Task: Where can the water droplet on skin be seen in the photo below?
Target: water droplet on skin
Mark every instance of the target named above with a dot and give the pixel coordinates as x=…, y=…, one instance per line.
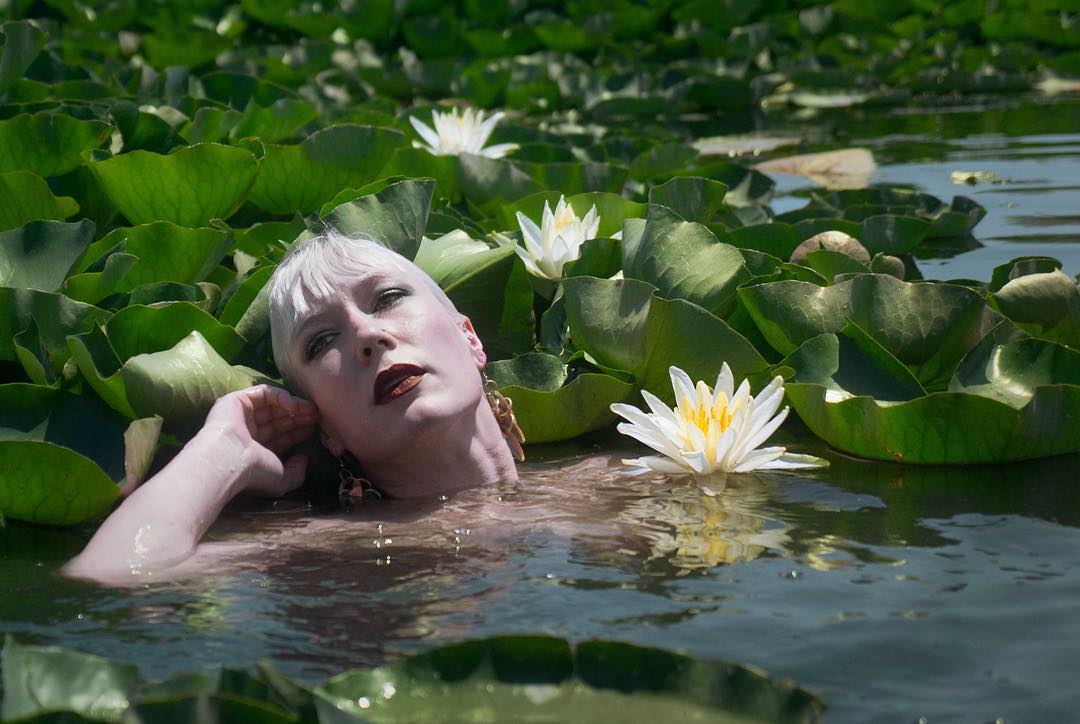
x=363, y=702
x=388, y=690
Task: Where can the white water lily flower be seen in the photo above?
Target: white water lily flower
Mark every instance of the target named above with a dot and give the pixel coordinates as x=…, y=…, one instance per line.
x=557, y=240
x=464, y=133
x=711, y=430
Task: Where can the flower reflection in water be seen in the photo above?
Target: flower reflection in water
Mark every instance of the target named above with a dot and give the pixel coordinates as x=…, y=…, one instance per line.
x=695, y=526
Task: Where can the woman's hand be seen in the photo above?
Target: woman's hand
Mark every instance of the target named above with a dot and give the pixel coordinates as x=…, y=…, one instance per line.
x=160, y=524
x=266, y=422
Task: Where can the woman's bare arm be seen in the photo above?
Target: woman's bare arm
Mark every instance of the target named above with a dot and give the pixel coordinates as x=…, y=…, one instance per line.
x=160, y=524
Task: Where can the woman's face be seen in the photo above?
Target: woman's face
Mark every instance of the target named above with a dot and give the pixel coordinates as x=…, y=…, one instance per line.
x=389, y=367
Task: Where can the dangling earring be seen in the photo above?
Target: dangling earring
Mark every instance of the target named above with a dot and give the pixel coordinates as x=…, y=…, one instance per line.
x=353, y=488
x=503, y=407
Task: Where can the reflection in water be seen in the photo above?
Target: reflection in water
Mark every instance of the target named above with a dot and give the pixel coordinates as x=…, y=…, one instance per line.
x=705, y=526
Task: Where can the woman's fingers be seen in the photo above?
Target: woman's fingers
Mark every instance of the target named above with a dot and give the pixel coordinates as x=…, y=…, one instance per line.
x=272, y=411
x=289, y=438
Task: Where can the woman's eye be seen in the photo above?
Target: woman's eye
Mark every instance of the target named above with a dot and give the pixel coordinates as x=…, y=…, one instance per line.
x=317, y=344
x=389, y=298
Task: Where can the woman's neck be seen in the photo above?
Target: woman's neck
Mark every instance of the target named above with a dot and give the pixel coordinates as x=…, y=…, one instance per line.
x=467, y=453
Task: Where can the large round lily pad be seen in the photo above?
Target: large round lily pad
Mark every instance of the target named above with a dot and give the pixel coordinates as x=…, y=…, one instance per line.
x=534, y=678
x=189, y=186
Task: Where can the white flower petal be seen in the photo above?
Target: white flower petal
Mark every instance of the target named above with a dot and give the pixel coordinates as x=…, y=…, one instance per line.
x=724, y=383
x=653, y=463
x=657, y=406
x=499, y=150
x=765, y=431
x=756, y=459
x=426, y=132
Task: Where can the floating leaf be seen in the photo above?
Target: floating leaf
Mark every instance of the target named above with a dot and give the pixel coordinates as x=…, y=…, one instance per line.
x=46, y=143
x=55, y=315
x=25, y=196
x=516, y=677
x=167, y=252
x=181, y=384
x=684, y=260
x=488, y=285
x=549, y=411
x=39, y=254
x=396, y=215
x=927, y=326
x=1045, y=305
x=61, y=456
x=189, y=186
x=23, y=40
x=39, y=679
x=691, y=197
x=624, y=325
x=1017, y=391
x=302, y=177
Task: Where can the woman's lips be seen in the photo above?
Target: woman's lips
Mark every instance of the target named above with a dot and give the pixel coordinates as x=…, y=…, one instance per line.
x=395, y=381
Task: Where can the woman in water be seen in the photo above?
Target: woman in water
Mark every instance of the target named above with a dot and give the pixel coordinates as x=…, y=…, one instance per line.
x=387, y=372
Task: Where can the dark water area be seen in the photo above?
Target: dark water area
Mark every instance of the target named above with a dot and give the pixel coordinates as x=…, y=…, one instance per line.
x=896, y=592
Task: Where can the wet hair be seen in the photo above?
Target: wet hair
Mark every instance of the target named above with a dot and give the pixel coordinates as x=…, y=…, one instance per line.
x=316, y=268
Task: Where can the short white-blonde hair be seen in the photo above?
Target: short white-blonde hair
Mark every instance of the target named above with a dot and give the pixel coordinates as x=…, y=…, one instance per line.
x=317, y=268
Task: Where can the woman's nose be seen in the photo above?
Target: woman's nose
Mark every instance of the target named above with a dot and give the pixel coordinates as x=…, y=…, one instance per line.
x=371, y=336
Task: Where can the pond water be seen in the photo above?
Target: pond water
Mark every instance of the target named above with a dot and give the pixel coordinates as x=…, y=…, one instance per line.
x=897, y=593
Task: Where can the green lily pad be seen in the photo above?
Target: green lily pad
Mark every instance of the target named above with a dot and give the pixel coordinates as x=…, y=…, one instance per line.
x=92, y=287
x=395, y=215
x=776, y=239
x=928, y=326
x=55, y=316
x=140, y=329
x=1021, y=392
x=534, y=677
x=487, y=284
x=548, y=410
x=48, y=144
x=39, y=254
x=893, y=234
x=303, y=177
x=189, y=186
x=488, y=183
x=181, y=384
x=1021, y=266
x=39, y=679
x=625, y=325
x=167, y=252
x=61, y=455
x=692, y=197
x=418, y=163
x=23, y=40
x=576, y=177
x=25, y=196
x=103, y=355
x=1045, y=305
x=684, y=260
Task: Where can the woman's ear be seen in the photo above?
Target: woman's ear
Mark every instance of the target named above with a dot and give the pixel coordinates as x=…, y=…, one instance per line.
x=331, y=443
x=475, y=344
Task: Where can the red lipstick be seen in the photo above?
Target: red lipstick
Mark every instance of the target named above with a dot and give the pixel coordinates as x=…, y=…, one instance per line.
x=395, y=381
